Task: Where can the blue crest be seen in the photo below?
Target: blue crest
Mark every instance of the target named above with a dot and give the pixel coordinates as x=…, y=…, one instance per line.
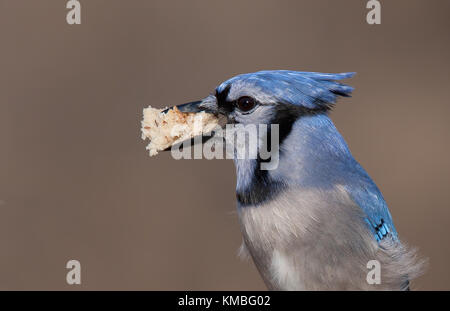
x=311, y=90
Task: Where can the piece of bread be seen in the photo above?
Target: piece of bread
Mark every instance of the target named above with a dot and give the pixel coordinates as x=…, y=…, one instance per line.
x=165, y=129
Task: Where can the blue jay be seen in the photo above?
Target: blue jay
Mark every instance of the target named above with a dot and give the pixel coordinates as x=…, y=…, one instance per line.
x=317, y=219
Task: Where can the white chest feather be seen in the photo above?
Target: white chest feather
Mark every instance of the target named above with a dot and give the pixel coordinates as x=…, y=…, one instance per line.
x=284, y=272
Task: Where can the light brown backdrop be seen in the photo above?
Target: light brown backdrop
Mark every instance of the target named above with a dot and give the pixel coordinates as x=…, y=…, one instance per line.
x=76, y=181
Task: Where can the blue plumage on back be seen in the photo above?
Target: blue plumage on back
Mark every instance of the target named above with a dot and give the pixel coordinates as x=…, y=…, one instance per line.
x=367, y=195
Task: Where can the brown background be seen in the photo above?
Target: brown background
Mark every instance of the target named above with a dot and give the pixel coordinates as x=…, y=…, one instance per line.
x=76, y=181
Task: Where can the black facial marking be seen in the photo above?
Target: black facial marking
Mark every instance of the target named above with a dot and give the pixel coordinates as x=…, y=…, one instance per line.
x=287, y=114
x=225, y=107
x=263, y=188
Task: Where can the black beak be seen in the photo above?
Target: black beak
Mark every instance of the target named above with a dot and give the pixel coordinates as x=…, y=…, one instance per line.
x=208, y=105
x=188, y=107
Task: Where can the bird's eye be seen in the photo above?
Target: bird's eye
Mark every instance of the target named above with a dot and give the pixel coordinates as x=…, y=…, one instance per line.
x=246, y=103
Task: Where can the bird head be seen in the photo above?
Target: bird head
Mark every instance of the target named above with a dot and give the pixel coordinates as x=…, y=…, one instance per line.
x=273, y=97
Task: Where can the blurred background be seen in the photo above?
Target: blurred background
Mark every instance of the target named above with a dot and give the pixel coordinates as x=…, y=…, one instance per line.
x=77, y=183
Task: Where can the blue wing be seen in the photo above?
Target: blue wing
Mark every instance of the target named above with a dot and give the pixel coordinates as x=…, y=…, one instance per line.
x=367, y=195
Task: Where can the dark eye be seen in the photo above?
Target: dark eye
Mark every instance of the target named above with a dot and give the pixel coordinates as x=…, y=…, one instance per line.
x=246, y=103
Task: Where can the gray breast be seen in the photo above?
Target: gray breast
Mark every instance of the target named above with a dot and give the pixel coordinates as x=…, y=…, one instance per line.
x=317, y=240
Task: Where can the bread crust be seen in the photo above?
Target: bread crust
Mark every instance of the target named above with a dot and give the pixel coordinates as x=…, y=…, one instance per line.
x=164, y=128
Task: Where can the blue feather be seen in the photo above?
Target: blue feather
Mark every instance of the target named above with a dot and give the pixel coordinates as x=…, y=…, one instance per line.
x=308, y=89
x=369, y=198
